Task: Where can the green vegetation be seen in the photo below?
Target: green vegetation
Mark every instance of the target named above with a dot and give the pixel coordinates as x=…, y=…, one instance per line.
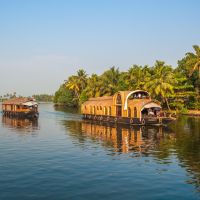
x=44, y=97
x=38, y=97
x=176, y=87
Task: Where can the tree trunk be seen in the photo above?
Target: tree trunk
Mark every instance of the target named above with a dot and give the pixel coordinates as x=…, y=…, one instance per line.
x=199, y=71
x=196, y=67
x=167, y=103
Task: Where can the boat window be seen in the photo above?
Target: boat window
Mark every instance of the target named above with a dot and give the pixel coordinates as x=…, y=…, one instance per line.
x=105, y=111
x=140, y=95
x=129, y=112
x=94, y=110
x=119, y=111
x=135, y=112
x=119, y=99
x=109, y=110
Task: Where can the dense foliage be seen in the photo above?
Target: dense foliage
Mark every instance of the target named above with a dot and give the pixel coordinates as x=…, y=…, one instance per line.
x=176, y=87
x=43, y=97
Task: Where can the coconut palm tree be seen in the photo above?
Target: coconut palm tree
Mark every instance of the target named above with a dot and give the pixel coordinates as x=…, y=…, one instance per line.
x=109, y=81
x=190, y=66
x=77, y=83
x=73, y=84
x=93, y=86
x=194, y=60
x=82, y=78
x=137, y=76
x=162, y=81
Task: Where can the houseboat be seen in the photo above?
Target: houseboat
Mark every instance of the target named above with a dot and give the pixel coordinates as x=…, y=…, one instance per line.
x=129, y=107
x=20, y=107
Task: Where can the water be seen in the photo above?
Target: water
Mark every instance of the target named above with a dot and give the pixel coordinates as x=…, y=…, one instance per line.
x=62, y=157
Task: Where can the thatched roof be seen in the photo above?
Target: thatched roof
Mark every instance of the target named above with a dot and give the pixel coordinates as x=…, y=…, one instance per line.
x=99, y=101
x=145, y=103
x=18, y=101
x=100, y=98
x=108, y=100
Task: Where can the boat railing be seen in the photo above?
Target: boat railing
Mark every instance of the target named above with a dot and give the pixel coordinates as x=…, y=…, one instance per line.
x=161, y=115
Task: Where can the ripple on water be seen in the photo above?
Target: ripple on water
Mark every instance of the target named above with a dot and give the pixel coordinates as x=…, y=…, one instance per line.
x=62, y=157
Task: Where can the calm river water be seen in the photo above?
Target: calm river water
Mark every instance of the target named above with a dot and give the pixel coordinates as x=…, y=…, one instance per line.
x=62, y=157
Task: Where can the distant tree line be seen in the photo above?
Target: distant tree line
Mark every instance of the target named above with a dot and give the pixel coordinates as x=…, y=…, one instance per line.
x=8, y=96
x=38, y=97
x=43, y=97
x=175, y=87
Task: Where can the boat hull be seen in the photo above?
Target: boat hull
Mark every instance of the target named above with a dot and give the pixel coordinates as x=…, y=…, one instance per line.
x=21, y=114
x=131, y=121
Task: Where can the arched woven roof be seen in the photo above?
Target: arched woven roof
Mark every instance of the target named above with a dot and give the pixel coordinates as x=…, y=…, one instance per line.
x=129, y=94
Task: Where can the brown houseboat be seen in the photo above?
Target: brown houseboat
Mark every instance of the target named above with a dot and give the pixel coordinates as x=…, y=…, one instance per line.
x=20, y=107
x=129, y=107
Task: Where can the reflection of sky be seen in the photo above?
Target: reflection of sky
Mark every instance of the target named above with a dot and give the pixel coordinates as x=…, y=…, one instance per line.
x=46, y=41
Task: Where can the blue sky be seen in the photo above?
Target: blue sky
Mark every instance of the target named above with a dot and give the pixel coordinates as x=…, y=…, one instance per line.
x=42, y=42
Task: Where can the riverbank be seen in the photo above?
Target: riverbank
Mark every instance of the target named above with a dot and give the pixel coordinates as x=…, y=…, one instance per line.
x=192, y=113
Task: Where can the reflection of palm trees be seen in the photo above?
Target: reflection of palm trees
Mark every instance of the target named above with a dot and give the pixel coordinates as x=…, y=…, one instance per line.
x=67, y=109
x=159, y=142
x=187, y=146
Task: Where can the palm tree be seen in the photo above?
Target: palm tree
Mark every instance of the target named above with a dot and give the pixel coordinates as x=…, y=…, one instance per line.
x=77, y=83
x=109, y=81
x=93, y=86
x=82, y=78
x=72, y=84
x=161, y=83
x=137, y=76
x=190, y=66
x=194, y=60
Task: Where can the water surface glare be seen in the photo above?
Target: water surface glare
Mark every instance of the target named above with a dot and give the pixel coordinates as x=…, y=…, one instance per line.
x=59, y=156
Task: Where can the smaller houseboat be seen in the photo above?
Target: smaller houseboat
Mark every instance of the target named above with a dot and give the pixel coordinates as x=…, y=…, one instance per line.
x=20, y=107
x=129, y=107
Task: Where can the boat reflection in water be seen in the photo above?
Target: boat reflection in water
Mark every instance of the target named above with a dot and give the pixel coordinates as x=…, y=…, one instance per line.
x=120, y=138
x=21, y=125
x=165, y=145
x=126, y=139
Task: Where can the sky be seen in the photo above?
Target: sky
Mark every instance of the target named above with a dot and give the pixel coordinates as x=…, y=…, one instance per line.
x=43, y=42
